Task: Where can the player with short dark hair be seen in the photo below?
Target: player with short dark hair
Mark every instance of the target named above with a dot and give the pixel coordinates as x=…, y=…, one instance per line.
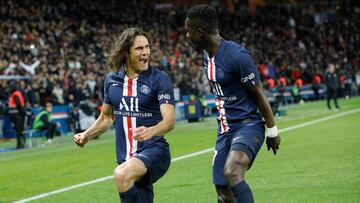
x=235, y=81
x=140, y=99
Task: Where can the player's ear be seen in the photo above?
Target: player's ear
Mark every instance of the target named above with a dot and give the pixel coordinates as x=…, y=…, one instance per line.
x=200, y=31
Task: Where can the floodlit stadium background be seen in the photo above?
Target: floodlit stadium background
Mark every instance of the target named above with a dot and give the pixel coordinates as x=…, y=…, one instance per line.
x=57, y=51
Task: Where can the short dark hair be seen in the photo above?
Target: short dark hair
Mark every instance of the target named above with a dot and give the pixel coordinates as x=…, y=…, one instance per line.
x=205, y=16
x=121, y=47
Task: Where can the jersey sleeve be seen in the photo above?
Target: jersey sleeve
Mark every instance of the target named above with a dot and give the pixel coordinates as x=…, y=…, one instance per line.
x=106, y=90
x=165, y=91
x=246, y=69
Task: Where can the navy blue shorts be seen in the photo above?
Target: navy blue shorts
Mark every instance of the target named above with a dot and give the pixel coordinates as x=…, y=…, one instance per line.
x=248, y=138
x=157, y=161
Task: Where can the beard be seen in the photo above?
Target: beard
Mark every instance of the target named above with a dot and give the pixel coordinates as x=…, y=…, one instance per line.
x=196, y=47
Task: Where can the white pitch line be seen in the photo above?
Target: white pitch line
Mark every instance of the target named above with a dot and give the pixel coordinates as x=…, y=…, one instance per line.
x=181, y=157
x=103, y=179
x=319, y=120
x=64, y=189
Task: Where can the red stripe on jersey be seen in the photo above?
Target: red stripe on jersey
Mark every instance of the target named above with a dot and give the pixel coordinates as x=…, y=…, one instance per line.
x=222, y=123
x=219, y=106
x=221, y=115
x=130, y=134
x=130, y=87
x=211, y=69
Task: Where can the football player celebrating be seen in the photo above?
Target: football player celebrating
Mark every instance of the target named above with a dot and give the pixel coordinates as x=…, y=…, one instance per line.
x=235, y=82
x=140, y=100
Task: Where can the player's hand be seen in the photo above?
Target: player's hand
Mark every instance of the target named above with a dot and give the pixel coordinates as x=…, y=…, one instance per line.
x=143, y=133
x=273, y=139
x=80, y=139
x=273, y=143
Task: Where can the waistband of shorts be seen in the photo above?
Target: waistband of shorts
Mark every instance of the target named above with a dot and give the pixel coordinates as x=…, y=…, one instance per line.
x=246, y=120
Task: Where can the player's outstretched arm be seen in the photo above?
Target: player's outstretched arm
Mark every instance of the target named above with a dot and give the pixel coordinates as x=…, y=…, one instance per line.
x=272, y=135
x=143, y=133
x=101, y=125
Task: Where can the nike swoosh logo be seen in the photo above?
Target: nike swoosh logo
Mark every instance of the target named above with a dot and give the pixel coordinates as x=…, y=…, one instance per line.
x=236, y=138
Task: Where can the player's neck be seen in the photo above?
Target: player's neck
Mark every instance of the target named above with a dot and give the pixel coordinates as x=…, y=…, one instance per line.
x=213, y=44
x=131, y=73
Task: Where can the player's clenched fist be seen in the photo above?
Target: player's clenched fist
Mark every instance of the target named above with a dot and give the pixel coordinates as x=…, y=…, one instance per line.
x=80, y=139
x=143, y=133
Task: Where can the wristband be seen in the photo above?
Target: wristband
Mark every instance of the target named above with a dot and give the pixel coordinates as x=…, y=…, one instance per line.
x=272, y=132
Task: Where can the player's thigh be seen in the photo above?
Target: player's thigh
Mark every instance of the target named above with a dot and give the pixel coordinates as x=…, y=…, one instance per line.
x=222, y=148
x=133, y=169
x=237, y=161
x=247, y=141
x=157, y=161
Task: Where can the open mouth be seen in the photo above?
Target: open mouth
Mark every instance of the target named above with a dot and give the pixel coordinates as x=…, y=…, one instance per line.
x=143, y=61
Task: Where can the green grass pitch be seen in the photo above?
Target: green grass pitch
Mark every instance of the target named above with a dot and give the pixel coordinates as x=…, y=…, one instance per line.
x=316, y=163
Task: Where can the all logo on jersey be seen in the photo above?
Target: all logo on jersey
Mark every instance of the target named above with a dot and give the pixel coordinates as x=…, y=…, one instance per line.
x=129, y=103
x=133, y=105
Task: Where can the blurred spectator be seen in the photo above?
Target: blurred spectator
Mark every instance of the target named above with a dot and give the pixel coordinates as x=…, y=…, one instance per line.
x=316, y=86
x=43, y=121
x=86, y=116
x=74, y=120
x=331, y=80
x=17, y=113
x=357, y=79
x=58, y=95
x=281, y=85
x=62, y=44
x=348, y=81
x=3, y=98
x=296, y=90
x=270, y=83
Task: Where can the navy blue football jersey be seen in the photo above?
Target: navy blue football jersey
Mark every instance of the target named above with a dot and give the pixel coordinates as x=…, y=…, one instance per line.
x=136, y=102
x=230, y=72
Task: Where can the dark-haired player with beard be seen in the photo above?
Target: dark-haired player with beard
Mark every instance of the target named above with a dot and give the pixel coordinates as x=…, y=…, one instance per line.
x=140, y=100
x=235, y=82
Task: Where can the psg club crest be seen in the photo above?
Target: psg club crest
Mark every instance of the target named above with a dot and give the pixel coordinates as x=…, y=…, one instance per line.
x=220, y=73
x=144, y=89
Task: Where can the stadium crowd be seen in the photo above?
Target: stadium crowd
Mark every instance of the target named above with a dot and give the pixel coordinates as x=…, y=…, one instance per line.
x=62, y=46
